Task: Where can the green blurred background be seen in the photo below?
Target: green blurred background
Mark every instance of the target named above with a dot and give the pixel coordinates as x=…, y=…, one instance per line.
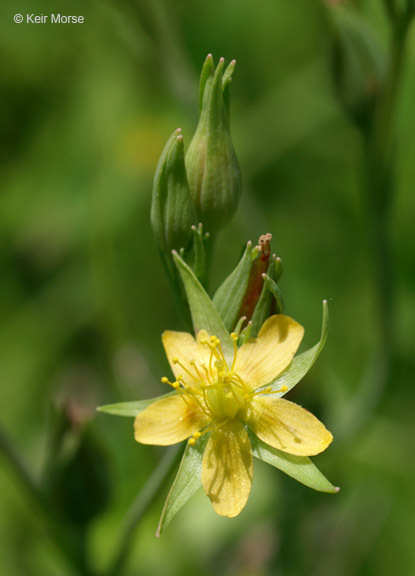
x=85, y=112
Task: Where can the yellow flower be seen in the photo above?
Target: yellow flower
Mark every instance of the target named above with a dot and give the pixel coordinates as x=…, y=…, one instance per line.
x=227, y=396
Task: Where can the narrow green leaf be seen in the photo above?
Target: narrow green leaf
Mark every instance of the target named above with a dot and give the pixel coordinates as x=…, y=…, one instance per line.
x=229, y=296
x=186, y=483
x=130, y=409
x=301, y=468
x=302, y=363
x=204, y=313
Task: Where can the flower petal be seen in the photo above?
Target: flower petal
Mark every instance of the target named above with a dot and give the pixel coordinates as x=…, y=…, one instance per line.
x=168, y=421
x=227, y=470
x=287, y=427
x=261, y=361
x=185, y=348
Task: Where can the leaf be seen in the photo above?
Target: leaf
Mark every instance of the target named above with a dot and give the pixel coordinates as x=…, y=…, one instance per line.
x=204, y=313
x=130, y=409
x=301, y=468
x=230, y=294
x=187, y=482
x=302, y=363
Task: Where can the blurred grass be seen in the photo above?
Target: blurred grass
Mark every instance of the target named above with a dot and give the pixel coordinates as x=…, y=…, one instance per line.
x=85, y=111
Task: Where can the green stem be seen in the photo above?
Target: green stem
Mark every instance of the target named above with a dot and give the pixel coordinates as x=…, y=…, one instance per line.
x=380, y=182
x=21, y=470
x=141, y=504
x=390, y=8
x=74, y=552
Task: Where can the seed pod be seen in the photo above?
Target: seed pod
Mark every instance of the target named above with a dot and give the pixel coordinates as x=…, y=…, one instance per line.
x=172, y=210
x=211, y=163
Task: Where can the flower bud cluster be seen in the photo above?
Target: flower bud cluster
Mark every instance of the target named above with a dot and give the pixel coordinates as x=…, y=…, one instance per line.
x=205, y=186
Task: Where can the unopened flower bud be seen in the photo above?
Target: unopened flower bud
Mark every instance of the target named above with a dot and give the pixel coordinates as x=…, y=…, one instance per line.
x=172, y=210
x=358, y=66
x=211, y=163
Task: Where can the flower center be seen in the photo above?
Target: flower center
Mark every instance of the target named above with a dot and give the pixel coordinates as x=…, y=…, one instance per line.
x=226, y=396
x=214, y=386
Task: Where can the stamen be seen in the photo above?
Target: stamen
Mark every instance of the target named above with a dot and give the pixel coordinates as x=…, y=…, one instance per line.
x=234, y=337
x=207, y=374
x=267, y=390
x=193, y=363
x=175, y=384
x=185, y=369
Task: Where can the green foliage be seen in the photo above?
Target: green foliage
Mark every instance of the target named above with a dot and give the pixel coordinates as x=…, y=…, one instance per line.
x=84, y=114
x=300, y=468
x=130, y=409
x=204, y=314
x=302, y=363
x=187, y=482
x=229, y=296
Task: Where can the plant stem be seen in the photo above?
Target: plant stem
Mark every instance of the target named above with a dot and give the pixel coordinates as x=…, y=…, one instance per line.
x=21, y=470
x=74, y=554
x=380, y=182
x=390, y=8
x=141, y=504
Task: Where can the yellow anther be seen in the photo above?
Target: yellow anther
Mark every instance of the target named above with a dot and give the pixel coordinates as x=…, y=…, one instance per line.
x=284, y=388
x=192, y=441
x=203, y=341
x=175, y=360
x=175, y=384
x=213, y=339
x=234, y=336
x=196, y=435
x=165, y=380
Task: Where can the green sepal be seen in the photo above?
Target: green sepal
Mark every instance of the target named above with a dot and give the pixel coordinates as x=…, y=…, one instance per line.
x=187, y=482
x=130, y=409
x=263, y=307
x=302, y=363
x=229, y=296
x=208, y=70
x=204, y=313
x=278, y=269
x=199, y=253
x=226, y=81
x=172, y=209
x=276, y=292
x=301, y=468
